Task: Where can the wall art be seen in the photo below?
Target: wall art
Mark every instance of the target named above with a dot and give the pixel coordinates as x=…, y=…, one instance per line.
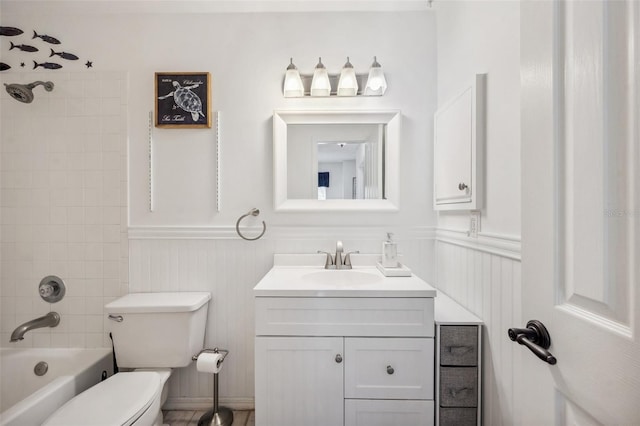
x=183, y=100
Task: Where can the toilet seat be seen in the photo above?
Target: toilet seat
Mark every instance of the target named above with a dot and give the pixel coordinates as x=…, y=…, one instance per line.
x=119, y=400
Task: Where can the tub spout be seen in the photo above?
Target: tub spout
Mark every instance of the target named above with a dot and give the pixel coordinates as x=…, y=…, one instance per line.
x=52, y=319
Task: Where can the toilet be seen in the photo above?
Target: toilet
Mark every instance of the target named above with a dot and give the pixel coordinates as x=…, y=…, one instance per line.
x=152, y=334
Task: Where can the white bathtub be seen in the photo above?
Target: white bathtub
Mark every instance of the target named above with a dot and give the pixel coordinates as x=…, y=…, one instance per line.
x=27, y=399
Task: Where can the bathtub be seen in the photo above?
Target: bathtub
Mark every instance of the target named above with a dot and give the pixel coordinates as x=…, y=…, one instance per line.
x=27, y=399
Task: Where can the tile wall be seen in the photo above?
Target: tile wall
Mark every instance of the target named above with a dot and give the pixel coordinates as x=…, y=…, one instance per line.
x=63, y=200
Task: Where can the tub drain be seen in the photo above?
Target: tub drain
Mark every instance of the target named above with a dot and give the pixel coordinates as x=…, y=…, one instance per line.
x=41, y=368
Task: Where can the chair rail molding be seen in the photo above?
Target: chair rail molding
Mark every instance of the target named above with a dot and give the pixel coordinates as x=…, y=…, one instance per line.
x=503, y=245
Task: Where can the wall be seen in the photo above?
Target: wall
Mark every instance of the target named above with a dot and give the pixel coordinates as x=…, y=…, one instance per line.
x=63, y=207
x=483, y=274
x=483, y=37
x=185, y=243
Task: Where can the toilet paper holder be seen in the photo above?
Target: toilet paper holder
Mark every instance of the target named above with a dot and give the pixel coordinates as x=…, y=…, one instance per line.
x=217, y=416
x=224, y=353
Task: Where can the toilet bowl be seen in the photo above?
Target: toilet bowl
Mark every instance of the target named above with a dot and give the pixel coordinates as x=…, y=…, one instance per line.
x=152, y=333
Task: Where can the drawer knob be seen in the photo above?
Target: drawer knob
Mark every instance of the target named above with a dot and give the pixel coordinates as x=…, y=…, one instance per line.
x=338, y=358
x=462, y=186
x=390, y=369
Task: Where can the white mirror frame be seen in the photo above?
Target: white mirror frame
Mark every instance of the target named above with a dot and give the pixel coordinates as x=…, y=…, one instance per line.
x=281, y=119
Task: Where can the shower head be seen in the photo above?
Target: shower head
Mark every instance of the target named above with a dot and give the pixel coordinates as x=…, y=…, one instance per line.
x=24, y=92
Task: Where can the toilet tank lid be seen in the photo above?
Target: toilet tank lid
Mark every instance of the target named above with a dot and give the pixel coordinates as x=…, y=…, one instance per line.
x=158, y=302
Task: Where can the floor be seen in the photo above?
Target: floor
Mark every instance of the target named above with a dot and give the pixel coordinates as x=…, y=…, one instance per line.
x=190, y=418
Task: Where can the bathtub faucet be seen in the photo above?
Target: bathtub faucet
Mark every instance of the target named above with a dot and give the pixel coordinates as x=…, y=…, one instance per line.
x=52, y=319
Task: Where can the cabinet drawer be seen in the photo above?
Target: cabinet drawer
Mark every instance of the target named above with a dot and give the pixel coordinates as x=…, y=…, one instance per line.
x=458, y=416
x=458, y=387
x=459, y=345
x=328, y=316
x=379, y=412
x=389, y=368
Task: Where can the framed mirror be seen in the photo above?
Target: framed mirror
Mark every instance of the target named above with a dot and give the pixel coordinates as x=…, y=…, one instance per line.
x=336, y=160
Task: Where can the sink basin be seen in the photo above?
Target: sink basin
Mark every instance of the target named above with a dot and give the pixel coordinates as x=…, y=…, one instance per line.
x=302, y=275
x=341, y=278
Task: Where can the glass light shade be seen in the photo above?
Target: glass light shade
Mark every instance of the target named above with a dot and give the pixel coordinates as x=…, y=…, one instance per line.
x=293, y=87
x=348, y=83
x=320, y=84
x=376, y=82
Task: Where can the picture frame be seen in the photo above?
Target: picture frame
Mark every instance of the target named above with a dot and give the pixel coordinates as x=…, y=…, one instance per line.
x=182, y=100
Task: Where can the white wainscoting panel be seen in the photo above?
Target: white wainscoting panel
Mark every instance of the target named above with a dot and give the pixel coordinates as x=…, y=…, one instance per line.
x=188, y=259
x=487, y=282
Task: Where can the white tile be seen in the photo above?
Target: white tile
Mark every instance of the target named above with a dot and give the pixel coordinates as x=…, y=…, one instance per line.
x=76, y=340
x=94, y=305
x=42, y=340
x=94, y=323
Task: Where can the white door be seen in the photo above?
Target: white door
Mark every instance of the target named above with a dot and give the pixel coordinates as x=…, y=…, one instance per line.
x=581, y=213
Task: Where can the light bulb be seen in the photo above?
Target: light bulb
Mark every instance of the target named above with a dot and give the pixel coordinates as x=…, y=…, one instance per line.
x=293, y=87
x=320, y=84
x=376, y=82
x=348, y=83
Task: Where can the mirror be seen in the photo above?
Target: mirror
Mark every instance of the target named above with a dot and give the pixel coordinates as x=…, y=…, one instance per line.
x=336, y=160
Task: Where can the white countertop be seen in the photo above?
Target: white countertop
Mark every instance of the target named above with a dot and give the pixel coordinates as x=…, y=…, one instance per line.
x=291, y=276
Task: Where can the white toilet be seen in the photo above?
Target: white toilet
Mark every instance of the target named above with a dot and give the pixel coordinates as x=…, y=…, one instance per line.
x=152, y=333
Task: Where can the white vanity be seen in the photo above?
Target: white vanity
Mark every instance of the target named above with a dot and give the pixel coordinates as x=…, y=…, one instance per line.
x=338, y=347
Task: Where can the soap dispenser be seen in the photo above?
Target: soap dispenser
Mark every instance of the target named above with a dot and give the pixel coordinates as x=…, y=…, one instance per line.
x=389, y=252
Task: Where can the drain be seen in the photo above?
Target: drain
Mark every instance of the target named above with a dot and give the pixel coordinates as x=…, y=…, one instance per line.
x=41, y=368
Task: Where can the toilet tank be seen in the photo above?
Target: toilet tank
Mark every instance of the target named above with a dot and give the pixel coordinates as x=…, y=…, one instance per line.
x=156, y=330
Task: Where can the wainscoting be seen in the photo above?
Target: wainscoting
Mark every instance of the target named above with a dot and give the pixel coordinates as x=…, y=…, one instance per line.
x=216, y=260
x=483, y=275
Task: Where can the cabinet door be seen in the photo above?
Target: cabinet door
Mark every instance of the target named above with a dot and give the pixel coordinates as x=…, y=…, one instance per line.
x=299, y=381
x=458, y=148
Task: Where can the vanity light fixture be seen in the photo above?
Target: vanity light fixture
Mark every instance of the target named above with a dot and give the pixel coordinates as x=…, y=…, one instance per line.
x=293, y=87
x=376, y=83
x=348, y=83
x=320, y=85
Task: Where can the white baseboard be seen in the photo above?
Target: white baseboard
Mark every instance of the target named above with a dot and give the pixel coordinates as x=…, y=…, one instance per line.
x=204, y=404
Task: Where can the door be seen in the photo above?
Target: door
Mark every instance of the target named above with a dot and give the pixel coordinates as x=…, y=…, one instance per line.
x=299, y=381
x=581, y=214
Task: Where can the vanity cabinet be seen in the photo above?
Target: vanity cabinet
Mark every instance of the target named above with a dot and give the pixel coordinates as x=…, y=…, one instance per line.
x=352, y=361
x=458, y=149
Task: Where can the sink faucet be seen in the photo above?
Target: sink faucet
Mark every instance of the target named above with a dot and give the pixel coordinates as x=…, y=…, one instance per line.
x=337, y=261
x=52, y=319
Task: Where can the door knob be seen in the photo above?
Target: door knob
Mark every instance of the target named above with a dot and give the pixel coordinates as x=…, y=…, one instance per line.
x=462, y=186
x=338, y=358
x=536, y=338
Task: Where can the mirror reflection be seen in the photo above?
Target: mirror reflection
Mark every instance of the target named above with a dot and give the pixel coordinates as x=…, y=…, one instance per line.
x=335, y=161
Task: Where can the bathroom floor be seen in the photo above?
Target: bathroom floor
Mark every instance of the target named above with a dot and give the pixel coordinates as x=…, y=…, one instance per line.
x=190, y=418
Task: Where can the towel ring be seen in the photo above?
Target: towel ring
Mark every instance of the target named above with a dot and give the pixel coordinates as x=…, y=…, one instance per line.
x=252, y=212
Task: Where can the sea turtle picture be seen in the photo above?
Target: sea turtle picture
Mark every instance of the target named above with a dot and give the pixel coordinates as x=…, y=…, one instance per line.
x=186, y=99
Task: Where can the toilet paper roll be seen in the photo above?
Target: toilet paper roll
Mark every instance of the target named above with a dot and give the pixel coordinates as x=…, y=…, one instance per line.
x=209, y=362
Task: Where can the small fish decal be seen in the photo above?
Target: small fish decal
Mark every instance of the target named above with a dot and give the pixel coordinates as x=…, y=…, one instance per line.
x=10, y=31
x=64, y=55
x=4, y=67
x=47, y=65
x=48, y=39
x=23, y=47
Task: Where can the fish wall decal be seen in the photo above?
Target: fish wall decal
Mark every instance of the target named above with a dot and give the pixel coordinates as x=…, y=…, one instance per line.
x=10, y=31
x=47, y=65
x=64, y=55
x=48, y=39
x=4, y=67
x=23, y=47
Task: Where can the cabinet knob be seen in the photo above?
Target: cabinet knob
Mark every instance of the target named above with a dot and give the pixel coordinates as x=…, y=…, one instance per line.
x=390, y=369
x=462, y=186
x=338, y=358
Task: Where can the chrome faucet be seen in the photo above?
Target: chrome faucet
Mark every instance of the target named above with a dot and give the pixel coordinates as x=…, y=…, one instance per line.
x=52, y=319
x=337, y=261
